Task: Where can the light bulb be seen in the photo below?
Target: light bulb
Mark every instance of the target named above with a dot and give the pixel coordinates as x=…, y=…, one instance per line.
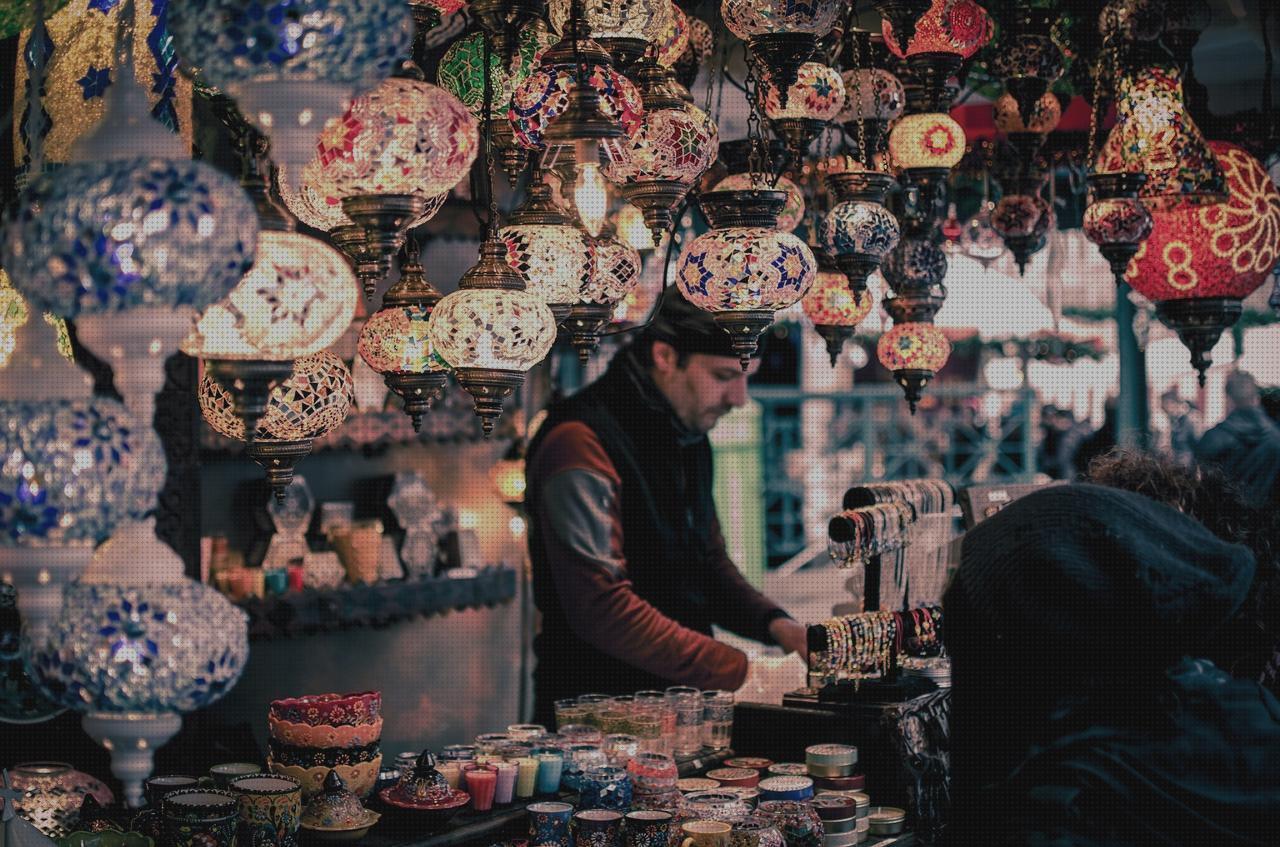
x=591, y=197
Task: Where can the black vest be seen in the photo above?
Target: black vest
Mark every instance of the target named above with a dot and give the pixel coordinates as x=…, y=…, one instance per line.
x=667, y=512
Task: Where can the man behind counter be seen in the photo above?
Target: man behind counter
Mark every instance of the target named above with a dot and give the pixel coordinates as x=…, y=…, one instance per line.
x=629, y=563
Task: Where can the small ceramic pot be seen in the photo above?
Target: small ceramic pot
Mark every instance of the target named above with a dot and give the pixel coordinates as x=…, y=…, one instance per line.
x=337, y=811
x=270, y=810
x=329, y=709
x=705, y=834
x=831, y=760
x=797, y=821
x=755, y=831
x=200, y=817
x=223, y=774
x=605, y=788
x=549, y=824
x=150, y=821
x=322, y=757
x=324, y=735
x=597, y=828
x=359, y=778
x=648, y=828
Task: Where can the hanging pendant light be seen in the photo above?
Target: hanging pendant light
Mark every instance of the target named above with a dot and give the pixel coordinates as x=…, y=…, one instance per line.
x=395, y=341
x=874, y=99
x=782, y=34
x=834, y=309
x=615, y=272
x=859, y=231
x=1023, y=218
x=503, y=19
x=946, y=33
x=552, y=256
x=743, y=269
x=625, y=28
x=1116, y=219
x=799, y=114
x=914, y=352
x=1029, y=60
x=676, y=143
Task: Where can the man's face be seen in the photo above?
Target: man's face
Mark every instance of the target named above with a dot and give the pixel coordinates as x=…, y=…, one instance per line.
x=702, y=390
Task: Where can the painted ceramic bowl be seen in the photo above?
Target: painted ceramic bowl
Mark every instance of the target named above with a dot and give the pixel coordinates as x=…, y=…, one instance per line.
x=427, y=813
x=344, y=833
x=270, y=809
x=324, y=735
x=329, y=709
x=200, y=817
x=52, y=793
x=359, y=778
x=329, y=757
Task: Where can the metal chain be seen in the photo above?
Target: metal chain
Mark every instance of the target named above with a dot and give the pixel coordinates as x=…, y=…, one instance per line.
x=716, y=45
x=491, y=226
x=878, y=86
x=855, y=51
x=759, y=163
x=1105, y=66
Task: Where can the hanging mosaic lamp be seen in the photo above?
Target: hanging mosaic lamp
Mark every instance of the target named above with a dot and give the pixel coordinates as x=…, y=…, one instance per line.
x=1201, y=261
x=1132, y=20
x=792, y=214
x=313, y=401
x=291, y=65
x=615, y=272
x=552, y=256
x=1028, y=59
x=923, y=148
x=874, y=98
x=674, y=43
x=1116, y=219
x=702, y=43
x=914, y=352
x=804, y=110
x=395, y=341
x=859, y=231
x=491, y=331
x=676, y=143
x=945, y=34
x=503, y=19
x=834, y=309
x=1045, y=115
x=1155, y=135
x=625, y=28
x=1022, y=218
x=782, y=34
x=744, y=269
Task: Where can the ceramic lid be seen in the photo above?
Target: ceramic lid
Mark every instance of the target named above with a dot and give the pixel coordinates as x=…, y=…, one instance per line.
x=789, y=769
x=753, y=762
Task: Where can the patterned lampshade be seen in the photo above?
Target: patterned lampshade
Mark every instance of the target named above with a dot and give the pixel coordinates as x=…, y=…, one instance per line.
x=958, y=27
x=818, y=94
x=926, y=140
x=311, y=402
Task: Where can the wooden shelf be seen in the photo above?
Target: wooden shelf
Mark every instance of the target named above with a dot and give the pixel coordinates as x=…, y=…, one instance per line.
x=313, y=611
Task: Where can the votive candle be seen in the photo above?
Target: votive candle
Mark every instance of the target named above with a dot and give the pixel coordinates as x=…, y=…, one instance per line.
x=526, y=776
x=481, y=784
x=506, y=785
x=452, y=773
x=550, y=766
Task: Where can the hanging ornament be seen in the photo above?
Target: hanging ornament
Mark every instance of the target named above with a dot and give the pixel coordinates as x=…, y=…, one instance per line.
x=625, y=28
x=675, y=41
x=859, y=231
x=502, y=19
x=1045, y=115
x=923, y=148
x=291, y=65
x=834, y=309
x=946, y=34
x=979, y=239
x=806, y=108
x=783, y=34
x=615, y=272
x=1023, y=219
x=676, y=143
x=551, y=255
x=914, y=352
x=1029, y=61
x=743, y=269
x=1116, y=219
x=1131, y=20
x=702, y=43
x=1201, y=261
x=874, y=98
x=792, y=214
x=395, y=341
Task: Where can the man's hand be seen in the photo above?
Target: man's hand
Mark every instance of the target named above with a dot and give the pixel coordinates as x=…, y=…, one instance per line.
x=792, y=636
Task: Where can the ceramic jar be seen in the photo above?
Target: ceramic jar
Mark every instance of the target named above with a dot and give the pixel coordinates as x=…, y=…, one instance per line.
x=796, y=820
x=549, y=824
x=701, y=833
x=150, y=821
x=597, y=828
x=755, y=831
x=199, y=817
x=270, y=809
x=337, y=810
x=224, y=773
x=329, y=709
x=52, y=793
x=648, y=828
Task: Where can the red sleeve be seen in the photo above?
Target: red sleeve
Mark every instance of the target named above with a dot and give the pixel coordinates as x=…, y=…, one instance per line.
x=739, y=606
x=575, y=487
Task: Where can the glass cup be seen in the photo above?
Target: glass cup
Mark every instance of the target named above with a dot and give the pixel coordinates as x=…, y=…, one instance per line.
x=570, y=712
x=687, y=703
x=717, y=719
x=620, y=748
x=550, y=769
x=526, y=777
x=612, y=719
x=593, y=704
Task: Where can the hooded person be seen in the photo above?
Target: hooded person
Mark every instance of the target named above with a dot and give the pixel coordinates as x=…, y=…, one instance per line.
x=630, y=569
x=1081, y=710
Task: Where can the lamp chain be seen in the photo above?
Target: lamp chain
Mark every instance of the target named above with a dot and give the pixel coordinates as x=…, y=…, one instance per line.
x=855, y=50
x=759, y=159
x=37, y=125
x=491, y=225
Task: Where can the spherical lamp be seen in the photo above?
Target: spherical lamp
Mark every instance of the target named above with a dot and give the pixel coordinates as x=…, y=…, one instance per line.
x=781, y=33
x=948, y=32
x=1029, y=60
x=914, y=352
x=792, y=213
x=873, y=98
x=291, y=65
x=803, y=110
x=675, y=41
x=1045, y=115
x=552, y=256
x=835, y=310
x=615, y=272
x=544, y=96
x=743, y=269
x=859, y=231
x=1116, y=219
x=1201, y=261
x=623, y=27
x=926, y=141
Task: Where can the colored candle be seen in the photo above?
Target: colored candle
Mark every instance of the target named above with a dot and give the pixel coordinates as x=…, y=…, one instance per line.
x=481, y=785
x=527, y=776
x=452, y=773
x=506, y=783
x=550, y=765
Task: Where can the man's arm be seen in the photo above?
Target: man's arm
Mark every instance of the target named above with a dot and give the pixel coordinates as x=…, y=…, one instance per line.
x=579, y=522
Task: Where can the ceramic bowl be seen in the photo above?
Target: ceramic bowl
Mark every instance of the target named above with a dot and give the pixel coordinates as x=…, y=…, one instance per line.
x=429, y=814
x=329, y=709
x=328, y=757
x=359, y=778
x=343, y=833
x=324, y=735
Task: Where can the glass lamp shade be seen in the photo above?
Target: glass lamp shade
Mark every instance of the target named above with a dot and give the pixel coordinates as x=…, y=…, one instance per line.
x=615, y=272
x=957, y=27
x=1132, y=20
x=113, y=235
x=544, y=96
x=979, y=238
x=403, y=137
x=675, y=41
x=913, y=346
x=298, y=299
x=461, y=71
x=1028, y=55
x=1018, y=214
x=395, y=341
x=313, y=401
x=1219, y=250
x=926, y=140
x=492, y=328
x=860, y=226
x=1117, y=220
x=792, y=213
x=317, y=204
x=745, y=269
x=554, y=260
x=916, y=264
x=749, y=18
x=21, y=14
x=172, y=647
x=702, y=42
x=831, y=303
x=647, y=20
x=1044, y=117
x=872, y=94
x=818, y=94
x=671, y=144
x=291, y=65
x=1156, y=136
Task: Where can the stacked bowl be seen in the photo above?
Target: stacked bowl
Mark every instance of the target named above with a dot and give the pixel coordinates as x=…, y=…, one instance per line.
x=314, y=734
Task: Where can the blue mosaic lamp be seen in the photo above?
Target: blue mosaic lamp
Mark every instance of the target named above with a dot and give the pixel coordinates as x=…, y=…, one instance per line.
x=291, y=65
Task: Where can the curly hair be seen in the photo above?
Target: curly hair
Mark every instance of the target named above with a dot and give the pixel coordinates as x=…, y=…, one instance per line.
x=1251, y=644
